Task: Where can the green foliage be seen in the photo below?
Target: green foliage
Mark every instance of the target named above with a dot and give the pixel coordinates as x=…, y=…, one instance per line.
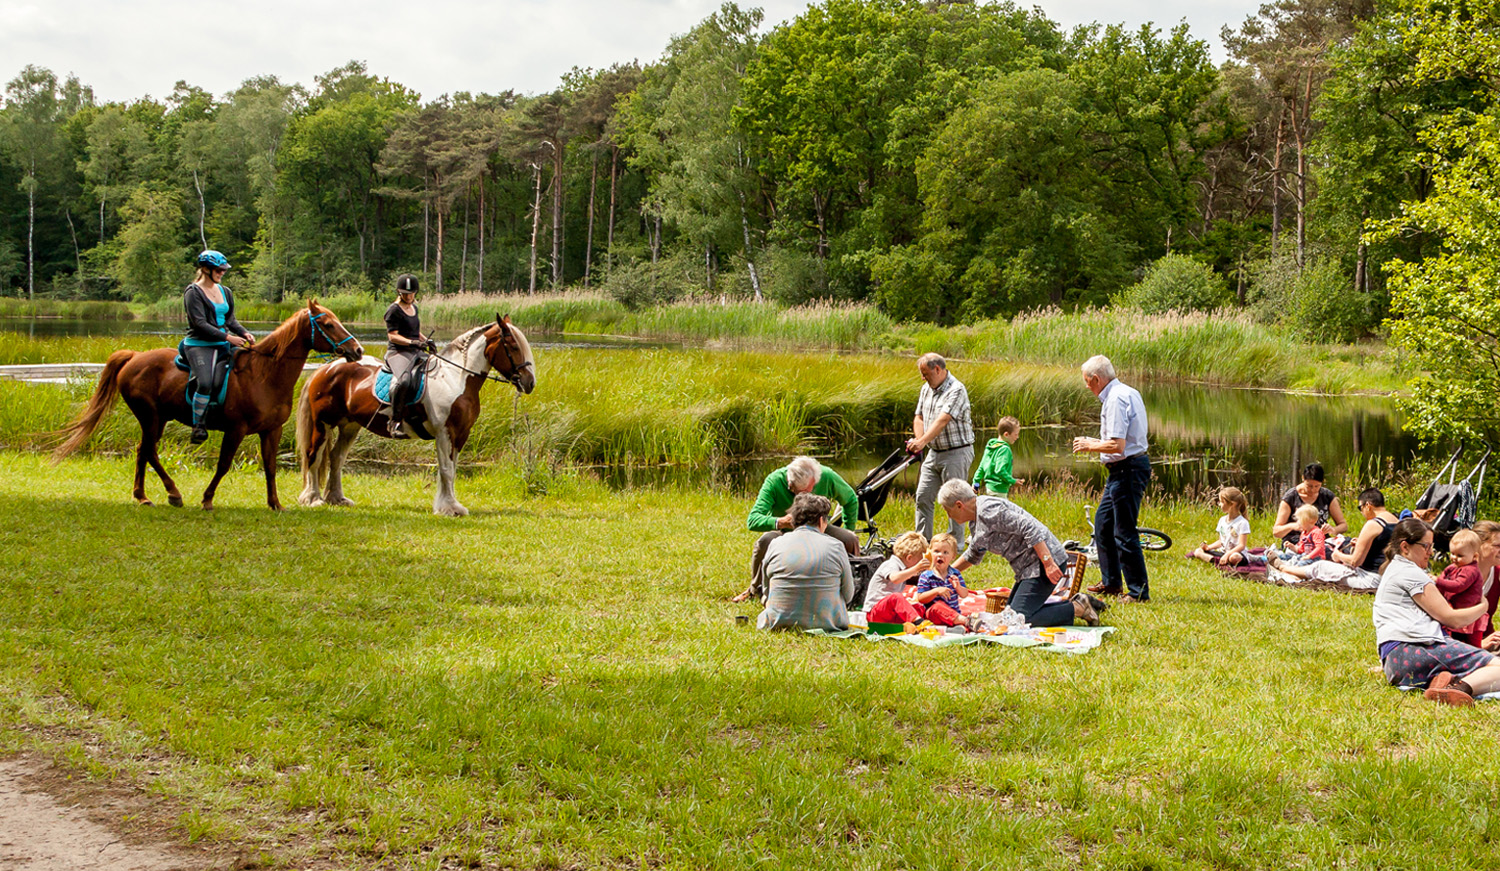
x=151, y=261
x=1178, y=284
x=1315, y=301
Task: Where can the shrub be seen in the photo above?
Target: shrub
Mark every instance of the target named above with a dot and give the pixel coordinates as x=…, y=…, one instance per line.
x=1178, y=283
x=1316, y=301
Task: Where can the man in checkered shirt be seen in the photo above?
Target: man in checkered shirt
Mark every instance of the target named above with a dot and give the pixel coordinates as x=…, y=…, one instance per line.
x=944, y=427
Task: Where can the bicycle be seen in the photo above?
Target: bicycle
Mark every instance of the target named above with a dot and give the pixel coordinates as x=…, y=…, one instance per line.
x=1151, y=539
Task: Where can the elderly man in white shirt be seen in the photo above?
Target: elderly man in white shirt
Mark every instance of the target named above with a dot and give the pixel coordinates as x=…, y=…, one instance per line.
x=1121, y=446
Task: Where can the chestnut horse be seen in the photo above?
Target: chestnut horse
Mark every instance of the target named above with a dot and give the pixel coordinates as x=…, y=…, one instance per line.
x=340, y=398
x=258, y=400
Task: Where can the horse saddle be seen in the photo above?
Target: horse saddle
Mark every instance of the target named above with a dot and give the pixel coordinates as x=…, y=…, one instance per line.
x=223, y=362
x=415, y=418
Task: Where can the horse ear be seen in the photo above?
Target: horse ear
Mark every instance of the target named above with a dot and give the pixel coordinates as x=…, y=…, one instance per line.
x=498, y=321
x=312, y=301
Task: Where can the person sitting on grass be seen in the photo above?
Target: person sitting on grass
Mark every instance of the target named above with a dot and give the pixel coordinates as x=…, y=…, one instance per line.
x=940, y=587
x=994, y=473
x=1462, y=585
x=1312, y=542
x=1034, y=553
x=891, y=577
x=1232, y=548
x=1361, y=568
x=808, y=576
x=770, y=515
x=1310, y=492
x=1409, y=616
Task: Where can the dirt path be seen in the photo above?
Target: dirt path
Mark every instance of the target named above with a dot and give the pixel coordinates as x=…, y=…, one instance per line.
x=51, y=822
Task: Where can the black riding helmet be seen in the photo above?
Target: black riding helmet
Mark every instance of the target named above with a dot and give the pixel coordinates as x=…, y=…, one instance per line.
x=406, y=283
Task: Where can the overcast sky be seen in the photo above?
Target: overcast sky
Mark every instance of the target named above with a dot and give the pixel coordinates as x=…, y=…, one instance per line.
x=127, y=49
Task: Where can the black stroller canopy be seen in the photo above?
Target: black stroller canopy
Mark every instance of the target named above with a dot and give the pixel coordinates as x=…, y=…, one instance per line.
x=876, y=486
x=1456, y=503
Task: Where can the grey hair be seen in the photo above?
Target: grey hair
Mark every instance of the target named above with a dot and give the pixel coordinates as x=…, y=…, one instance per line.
x=801, y=471
x=1099, y=366
x=954, y=491
x=808, y=508
x=932, y=358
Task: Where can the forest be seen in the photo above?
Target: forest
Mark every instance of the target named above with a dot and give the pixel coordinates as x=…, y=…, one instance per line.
x=946, y=162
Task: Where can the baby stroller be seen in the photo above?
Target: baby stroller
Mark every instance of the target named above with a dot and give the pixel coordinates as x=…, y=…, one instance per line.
x=872, y=492
x=1452, y=506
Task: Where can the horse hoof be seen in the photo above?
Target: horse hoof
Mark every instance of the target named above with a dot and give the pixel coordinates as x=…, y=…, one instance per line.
x=341, y=501
x=145, y=503
x=454, y=510
x=208, y=506
x=174, y=501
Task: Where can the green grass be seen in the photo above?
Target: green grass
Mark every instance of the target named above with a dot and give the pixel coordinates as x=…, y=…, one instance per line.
x=556, y=682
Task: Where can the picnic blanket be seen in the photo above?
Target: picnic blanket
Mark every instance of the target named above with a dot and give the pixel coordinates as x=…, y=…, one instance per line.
x=1090, y=637
x=1282, y=579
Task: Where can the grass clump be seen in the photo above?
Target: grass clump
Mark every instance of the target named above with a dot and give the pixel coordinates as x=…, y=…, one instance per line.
x=556, y=681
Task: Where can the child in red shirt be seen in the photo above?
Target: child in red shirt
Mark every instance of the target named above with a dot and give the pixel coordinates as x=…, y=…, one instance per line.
x=1462, y=585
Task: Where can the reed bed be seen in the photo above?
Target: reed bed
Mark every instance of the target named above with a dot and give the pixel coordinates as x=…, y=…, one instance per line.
x=95, y=310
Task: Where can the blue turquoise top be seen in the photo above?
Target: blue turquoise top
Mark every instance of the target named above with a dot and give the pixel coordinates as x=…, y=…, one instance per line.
x=221, y=311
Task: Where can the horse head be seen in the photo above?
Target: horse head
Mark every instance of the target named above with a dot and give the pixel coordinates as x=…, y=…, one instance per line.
x=508, y=353
x=334, y=337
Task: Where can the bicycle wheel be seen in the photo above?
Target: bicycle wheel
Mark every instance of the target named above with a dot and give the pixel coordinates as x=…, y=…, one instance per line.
x=1154, y=539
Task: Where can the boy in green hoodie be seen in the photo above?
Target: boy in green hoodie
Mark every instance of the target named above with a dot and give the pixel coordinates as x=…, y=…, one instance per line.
x=994, y=472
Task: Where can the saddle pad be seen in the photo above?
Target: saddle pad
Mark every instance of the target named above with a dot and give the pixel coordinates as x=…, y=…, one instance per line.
x=383, y=387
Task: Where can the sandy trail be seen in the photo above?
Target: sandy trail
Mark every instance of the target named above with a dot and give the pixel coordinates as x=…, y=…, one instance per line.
x=47, y=826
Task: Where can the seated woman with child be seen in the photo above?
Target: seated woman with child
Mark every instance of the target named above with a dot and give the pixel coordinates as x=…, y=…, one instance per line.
x=1360, y=569
x=808, y=576
x=1410, y=614
x=1310, y=492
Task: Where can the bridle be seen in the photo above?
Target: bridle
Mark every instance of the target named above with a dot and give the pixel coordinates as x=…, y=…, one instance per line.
x=312, y=318
x=513, y=378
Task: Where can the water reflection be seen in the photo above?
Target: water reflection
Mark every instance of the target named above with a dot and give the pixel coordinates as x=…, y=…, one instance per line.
x=1202, y=438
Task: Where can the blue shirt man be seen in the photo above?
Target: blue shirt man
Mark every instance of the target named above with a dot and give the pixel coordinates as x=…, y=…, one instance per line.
x=1121, y=446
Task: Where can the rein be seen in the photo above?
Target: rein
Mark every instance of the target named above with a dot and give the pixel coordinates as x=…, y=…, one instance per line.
x=513, y=379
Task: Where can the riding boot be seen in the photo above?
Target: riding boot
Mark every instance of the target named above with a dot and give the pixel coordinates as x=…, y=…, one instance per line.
x=200, y=407
x=398, y=410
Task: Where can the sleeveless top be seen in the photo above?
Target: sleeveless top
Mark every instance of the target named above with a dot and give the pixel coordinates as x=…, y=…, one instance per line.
x=1376, y=556
x=1322, y=501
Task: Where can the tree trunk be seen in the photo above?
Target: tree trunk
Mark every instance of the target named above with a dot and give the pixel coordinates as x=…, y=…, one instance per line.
x=437, y=263
x=557, y=213
x=536, y=220
x=31, y=238
x=426, y=234
x=77, y=255
x=202, y=211
x=588, y=248
x=749, y=255
x=609, y=241
x=1276, y=184
x=463, y=260
x=479, y=279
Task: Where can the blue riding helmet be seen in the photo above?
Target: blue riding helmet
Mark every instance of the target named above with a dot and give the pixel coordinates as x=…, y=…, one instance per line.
x=213, y=260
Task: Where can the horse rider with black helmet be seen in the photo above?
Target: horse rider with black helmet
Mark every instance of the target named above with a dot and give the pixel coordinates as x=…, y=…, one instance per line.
x=405, y=343
x=213, y=332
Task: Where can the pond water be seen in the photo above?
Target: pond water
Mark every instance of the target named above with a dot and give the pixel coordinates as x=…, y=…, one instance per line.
x=1202, y=437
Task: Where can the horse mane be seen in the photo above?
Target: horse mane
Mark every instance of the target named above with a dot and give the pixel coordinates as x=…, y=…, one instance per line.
x=284, y=338
x=462, y=341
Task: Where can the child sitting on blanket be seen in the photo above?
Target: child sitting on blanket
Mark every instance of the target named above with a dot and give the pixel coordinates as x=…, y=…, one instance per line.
x=1462, y=585
x=940, y=587
x=891, y=576
x=1232, y=548
x=1313, y=543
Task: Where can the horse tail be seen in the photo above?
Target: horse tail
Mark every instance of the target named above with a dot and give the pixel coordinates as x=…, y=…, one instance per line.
x=105, y=393
x=314, y=469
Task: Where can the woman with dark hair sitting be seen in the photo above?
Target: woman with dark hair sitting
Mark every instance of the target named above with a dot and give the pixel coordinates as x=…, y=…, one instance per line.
x=1410, y=614
x=1359, y=569
x=808, y=576
x=1310, y=492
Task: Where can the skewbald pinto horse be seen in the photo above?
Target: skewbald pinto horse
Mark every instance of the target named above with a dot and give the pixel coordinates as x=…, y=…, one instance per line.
x=258, y=401
x=340, y=399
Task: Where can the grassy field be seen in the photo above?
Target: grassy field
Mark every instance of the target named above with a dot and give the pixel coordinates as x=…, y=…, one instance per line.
x=557, y=682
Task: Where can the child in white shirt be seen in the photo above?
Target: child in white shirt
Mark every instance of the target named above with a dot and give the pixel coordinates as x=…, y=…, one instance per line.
x=1232, y=548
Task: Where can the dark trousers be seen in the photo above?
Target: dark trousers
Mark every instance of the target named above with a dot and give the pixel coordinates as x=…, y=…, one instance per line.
x=1115, y=532
x=1029, y=599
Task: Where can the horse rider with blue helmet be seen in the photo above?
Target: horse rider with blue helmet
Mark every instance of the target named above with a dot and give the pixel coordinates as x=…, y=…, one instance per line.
x=213, y=332
x=404, y=345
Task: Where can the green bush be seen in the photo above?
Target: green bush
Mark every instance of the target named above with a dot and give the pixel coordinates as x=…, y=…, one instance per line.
x=1316, y=301
x=1176, y=283
x=793, y=277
